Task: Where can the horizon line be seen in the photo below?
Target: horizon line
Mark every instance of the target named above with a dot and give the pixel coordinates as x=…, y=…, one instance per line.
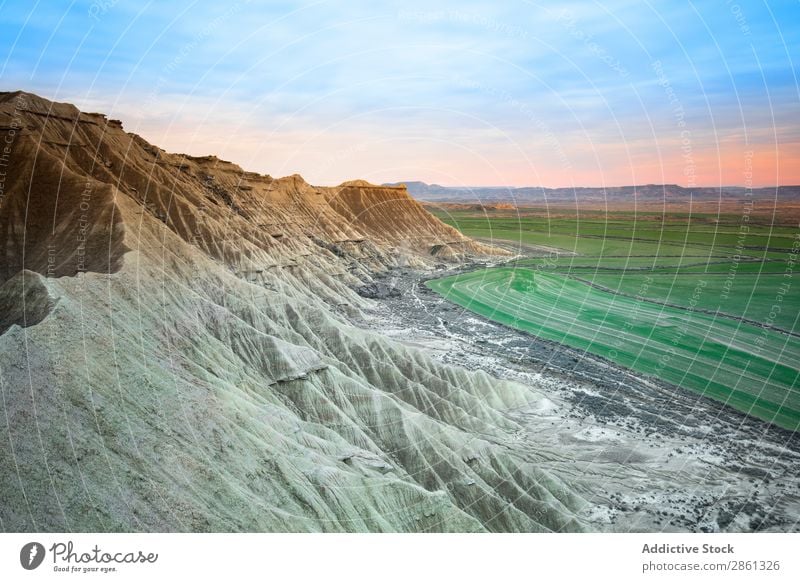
x=698, y=187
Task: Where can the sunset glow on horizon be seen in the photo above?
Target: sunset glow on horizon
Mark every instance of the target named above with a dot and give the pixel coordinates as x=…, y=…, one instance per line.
x=456, y=93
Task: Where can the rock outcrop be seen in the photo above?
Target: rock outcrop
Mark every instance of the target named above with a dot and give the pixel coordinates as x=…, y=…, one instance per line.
x=176, y=353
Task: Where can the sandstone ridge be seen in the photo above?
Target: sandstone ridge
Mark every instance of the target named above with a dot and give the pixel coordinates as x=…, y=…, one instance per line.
x=177, y=352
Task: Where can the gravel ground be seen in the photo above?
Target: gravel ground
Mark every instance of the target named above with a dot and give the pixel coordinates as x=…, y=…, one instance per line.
x=662, y=458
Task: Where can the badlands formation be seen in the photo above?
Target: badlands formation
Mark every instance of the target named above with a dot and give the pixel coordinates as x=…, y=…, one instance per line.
x=178, y=353
x=187, y=346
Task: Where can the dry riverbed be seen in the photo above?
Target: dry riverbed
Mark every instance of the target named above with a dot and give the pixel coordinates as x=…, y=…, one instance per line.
x=645, y=455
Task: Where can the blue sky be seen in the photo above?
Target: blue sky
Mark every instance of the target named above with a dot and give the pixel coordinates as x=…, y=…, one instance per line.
x=476, y=93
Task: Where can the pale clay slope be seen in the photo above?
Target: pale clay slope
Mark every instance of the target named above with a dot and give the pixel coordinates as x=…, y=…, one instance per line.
x=201, y=375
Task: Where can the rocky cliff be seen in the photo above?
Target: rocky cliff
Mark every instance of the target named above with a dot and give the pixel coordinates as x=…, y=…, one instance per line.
x=176, y=352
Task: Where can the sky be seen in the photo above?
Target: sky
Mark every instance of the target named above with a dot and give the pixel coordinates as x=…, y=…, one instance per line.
x=461, y=93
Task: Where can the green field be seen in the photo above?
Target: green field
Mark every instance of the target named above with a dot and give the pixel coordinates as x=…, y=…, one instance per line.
x=705, y=306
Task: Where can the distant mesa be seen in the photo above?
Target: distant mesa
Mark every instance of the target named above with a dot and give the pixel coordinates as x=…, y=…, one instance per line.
x=490, y=196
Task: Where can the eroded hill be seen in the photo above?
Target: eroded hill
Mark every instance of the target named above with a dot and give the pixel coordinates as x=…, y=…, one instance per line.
x=175, y=352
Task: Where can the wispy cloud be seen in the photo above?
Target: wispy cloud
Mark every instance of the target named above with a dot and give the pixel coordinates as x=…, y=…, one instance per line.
x=456, y=92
